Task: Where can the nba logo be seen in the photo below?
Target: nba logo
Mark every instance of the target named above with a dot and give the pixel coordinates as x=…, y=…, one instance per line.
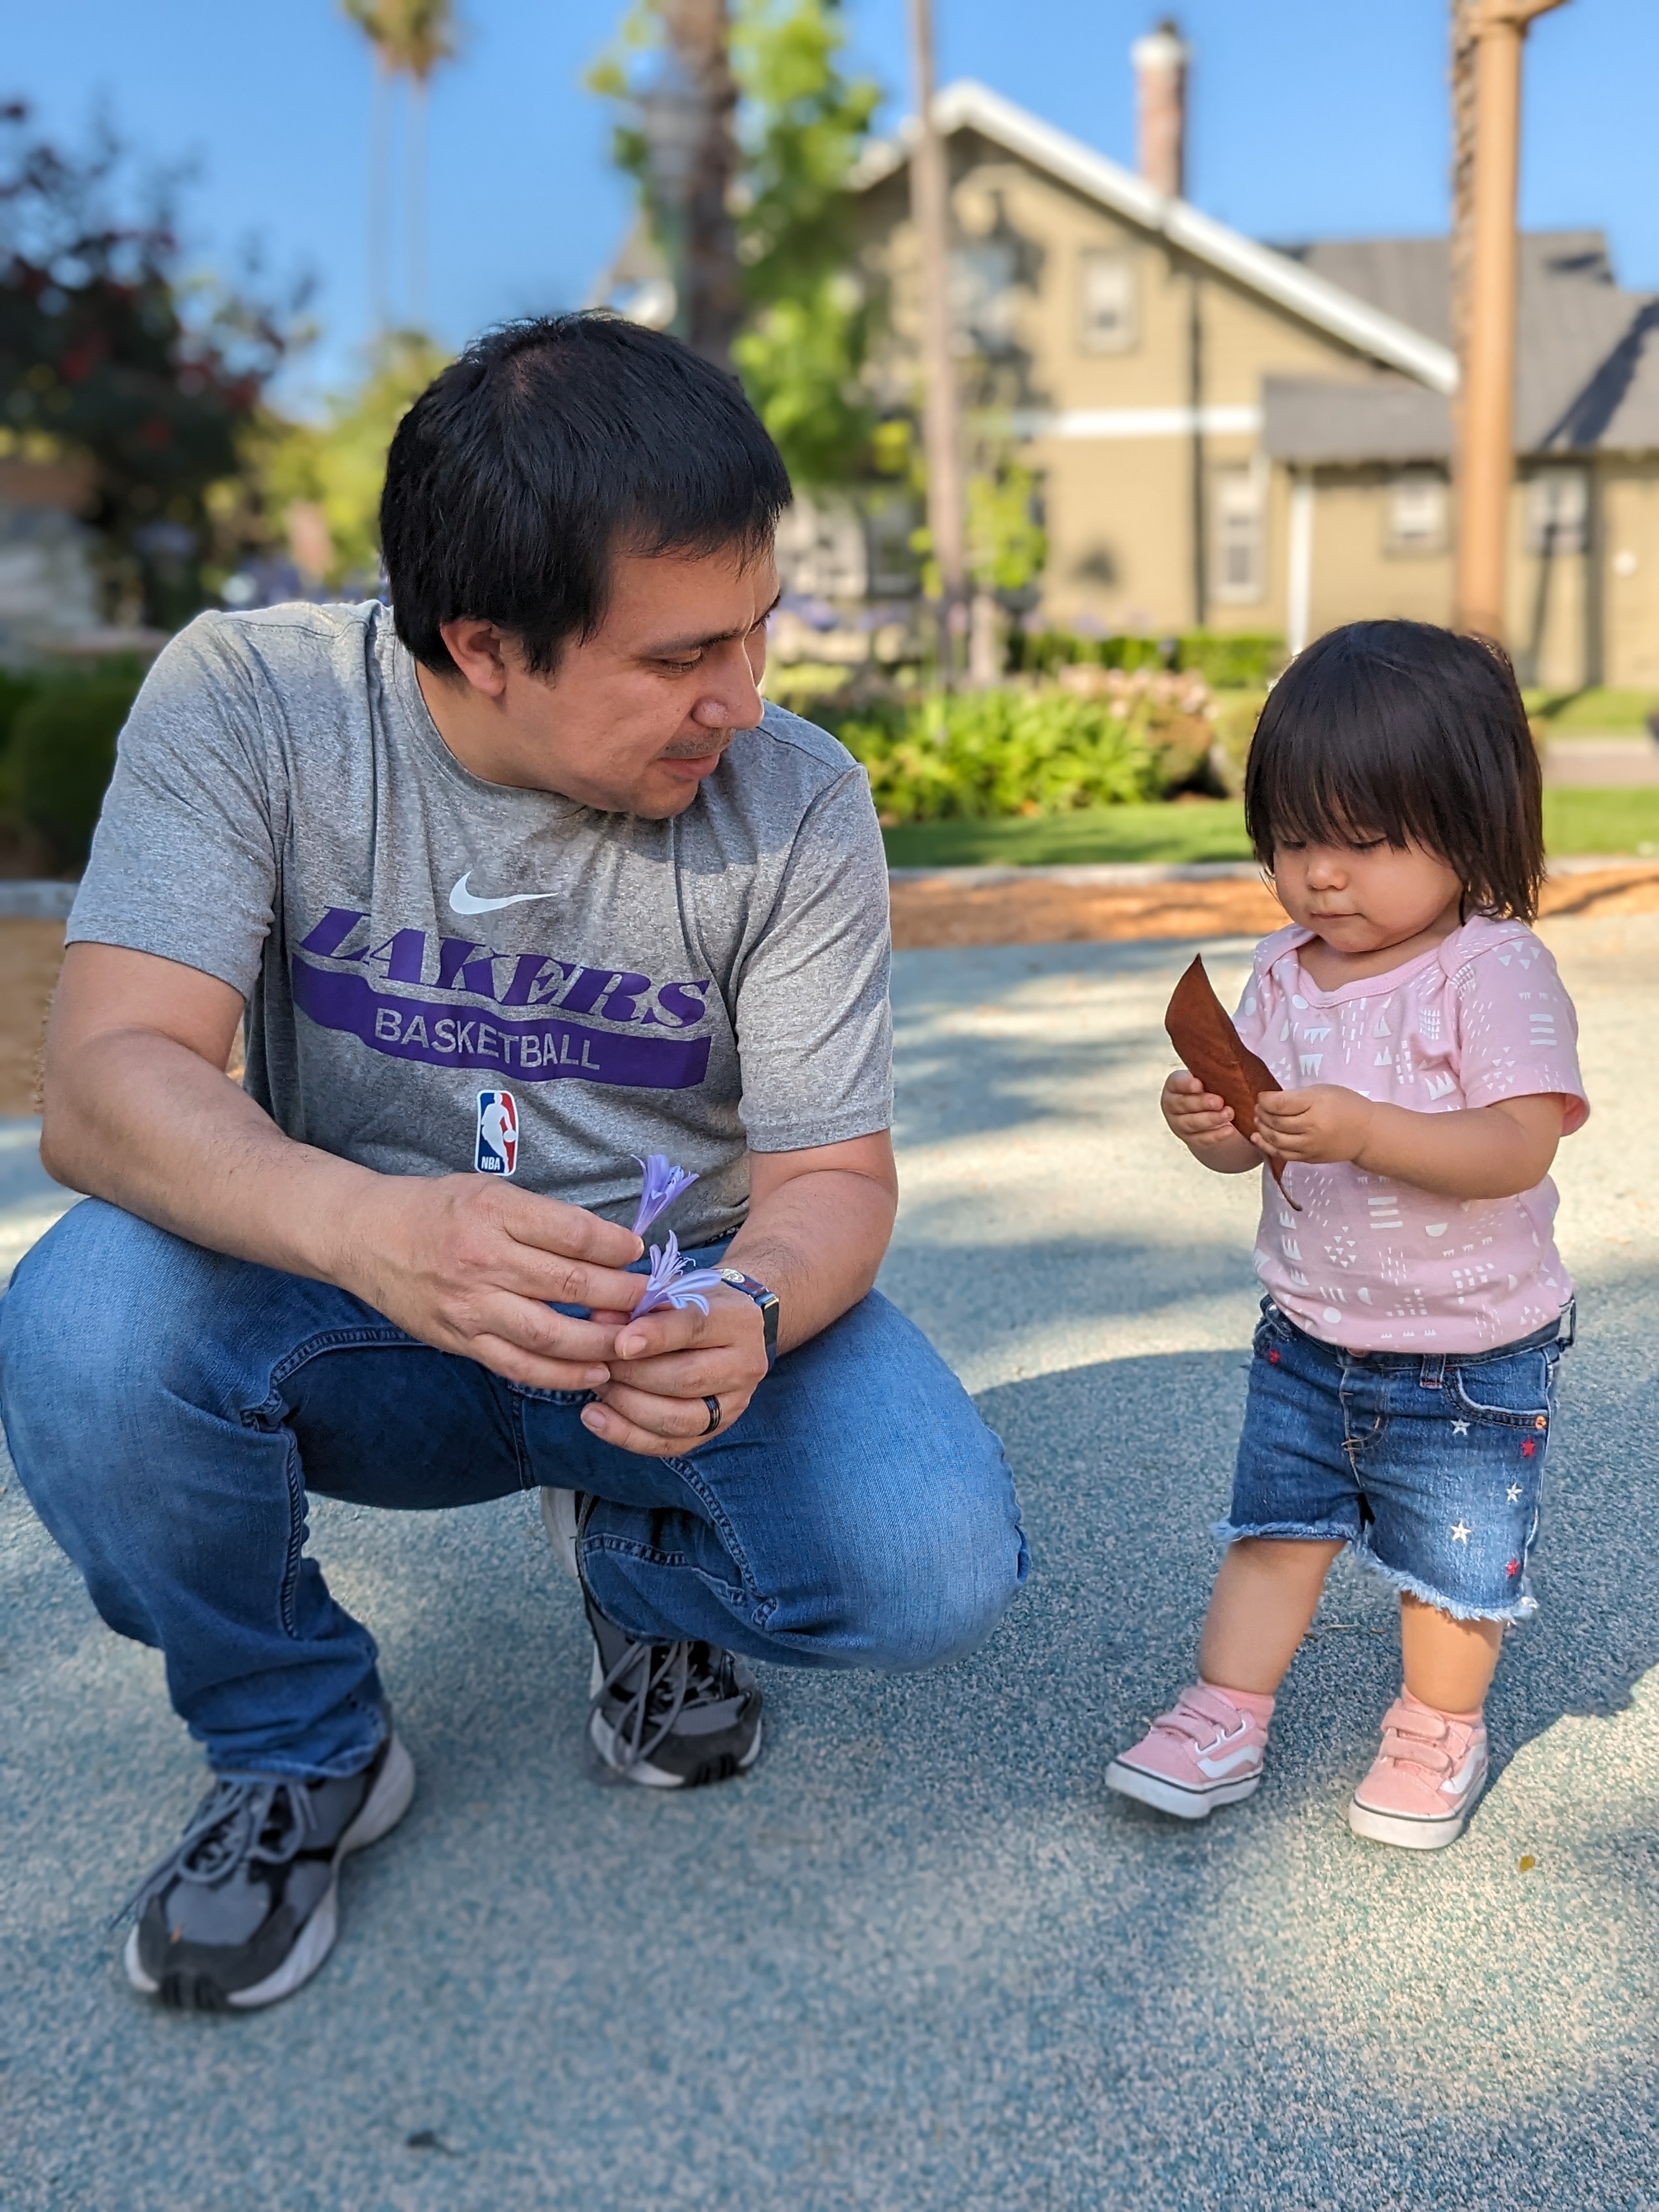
x=498, y=1133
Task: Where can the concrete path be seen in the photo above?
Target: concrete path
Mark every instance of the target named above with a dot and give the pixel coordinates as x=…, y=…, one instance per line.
x=920, y=1961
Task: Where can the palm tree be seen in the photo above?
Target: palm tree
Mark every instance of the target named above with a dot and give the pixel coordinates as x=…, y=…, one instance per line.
x=410, y=37
x=699, y=34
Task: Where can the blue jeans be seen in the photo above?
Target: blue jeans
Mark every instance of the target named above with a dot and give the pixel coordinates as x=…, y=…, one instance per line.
x=1429, y=1464
x=169, y=1409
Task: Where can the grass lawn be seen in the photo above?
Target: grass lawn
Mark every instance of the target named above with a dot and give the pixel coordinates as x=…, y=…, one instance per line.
x=1205, y=830
x=1600, y=711
x=1213, y=830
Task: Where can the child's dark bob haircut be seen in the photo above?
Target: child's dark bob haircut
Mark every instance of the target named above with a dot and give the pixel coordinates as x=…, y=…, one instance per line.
x=1402, y=731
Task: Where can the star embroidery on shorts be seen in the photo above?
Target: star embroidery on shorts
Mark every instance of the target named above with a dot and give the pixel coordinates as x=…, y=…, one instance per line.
x=1529, y=1446
x=1513, y=1568
x=1460, y=1428
x=1461, y=1533
x=1514, y=1494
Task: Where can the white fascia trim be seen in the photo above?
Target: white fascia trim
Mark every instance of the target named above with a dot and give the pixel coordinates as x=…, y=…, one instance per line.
x=967, y=105
x=1094, y=422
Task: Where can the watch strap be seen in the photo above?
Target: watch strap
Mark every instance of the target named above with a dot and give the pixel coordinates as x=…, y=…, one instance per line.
x=765, y=1299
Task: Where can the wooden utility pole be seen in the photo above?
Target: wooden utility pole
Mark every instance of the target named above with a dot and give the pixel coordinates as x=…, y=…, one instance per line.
x=1486, y=413
x=930, y=212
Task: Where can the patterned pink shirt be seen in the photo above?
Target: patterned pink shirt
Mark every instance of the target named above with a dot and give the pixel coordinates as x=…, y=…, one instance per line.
x=1379, y=1264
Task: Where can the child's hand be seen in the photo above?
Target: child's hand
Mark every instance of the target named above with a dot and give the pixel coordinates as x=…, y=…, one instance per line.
x=1324, y=1122
x=1199, y=1118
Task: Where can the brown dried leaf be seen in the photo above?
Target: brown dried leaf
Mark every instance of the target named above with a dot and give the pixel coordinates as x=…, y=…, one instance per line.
x=1212, y=1049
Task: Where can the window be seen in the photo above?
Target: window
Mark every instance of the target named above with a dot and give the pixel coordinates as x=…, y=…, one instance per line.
x=984, y=304
x=1557, y=511
x=1107, y=303
x=821, y=550
x=1235, y=534
x=1417, y=513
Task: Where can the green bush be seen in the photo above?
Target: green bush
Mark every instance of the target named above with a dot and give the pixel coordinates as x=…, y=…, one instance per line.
x=1040, y=652
x=1230, y=663
x=62, y=753
x=984, y=753
x=1225, y=662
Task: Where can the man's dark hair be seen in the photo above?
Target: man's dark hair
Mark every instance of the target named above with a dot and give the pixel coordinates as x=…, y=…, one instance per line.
x=1403, y=731
x=549, y=446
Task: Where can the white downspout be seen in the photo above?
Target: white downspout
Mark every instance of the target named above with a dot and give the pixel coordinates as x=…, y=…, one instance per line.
x=1298, y=583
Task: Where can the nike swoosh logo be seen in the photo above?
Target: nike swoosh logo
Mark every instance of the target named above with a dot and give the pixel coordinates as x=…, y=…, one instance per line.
x=462, y=901
x=1217, y=1767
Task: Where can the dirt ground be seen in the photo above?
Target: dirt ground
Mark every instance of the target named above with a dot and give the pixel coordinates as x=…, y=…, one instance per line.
x=933, y=911
x=29, y=955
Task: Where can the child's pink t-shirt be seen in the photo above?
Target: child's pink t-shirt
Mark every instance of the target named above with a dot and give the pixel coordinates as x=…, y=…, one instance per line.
x=1378, y=1265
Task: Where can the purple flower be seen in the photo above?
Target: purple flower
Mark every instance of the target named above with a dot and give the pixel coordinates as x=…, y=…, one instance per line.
x=664, y=1182
x=670, y=1284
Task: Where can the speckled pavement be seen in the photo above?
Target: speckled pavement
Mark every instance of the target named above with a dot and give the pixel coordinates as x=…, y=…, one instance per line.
x=920, y=1961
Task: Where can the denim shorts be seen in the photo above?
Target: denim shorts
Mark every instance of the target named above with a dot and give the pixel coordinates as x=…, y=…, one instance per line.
x=1429, y=1465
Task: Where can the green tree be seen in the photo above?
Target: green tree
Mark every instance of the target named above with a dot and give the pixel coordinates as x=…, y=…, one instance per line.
x=337, y=465
x=802, y=353
x=411, y=39
x=801, y=126
x=1007, y=545
x=111, y=357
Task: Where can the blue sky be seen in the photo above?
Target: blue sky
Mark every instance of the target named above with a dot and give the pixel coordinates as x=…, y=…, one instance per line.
x=1311, y=118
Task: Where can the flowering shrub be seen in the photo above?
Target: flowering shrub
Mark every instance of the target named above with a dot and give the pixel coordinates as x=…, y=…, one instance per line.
x=1005, y=752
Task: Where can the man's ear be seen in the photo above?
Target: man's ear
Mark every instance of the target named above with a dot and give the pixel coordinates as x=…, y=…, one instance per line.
x=477, y=648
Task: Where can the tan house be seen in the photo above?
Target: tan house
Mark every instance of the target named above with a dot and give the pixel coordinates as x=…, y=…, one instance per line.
x=1238, y=438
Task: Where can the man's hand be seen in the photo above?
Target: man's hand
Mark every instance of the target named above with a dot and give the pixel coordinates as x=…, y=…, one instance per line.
x=474, y=1267
x=1324, y=1122
x=667, y=1363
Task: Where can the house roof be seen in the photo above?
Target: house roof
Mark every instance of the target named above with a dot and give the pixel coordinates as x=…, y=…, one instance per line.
x=1587, y=356
x=1289, y=282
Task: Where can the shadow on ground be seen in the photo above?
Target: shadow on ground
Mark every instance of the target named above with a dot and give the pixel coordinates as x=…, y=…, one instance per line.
x=920, y=1961
x=919, y=1958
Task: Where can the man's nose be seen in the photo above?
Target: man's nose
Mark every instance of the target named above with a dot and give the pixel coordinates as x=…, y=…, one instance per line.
x=732, y=699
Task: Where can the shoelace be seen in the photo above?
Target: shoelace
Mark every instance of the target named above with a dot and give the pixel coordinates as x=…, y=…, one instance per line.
x=1416, y=1739
x=670, y=1677
x=265, y=1818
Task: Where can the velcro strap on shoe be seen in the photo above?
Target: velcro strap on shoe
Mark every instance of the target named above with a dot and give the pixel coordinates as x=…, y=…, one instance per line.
x=1409, y=1734
x=1199, y=1714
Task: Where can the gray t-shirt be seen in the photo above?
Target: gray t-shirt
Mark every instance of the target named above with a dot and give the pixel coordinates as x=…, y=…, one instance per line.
x=443, y=974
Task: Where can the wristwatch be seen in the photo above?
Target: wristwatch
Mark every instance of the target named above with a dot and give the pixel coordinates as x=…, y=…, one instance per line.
x=765, y=1299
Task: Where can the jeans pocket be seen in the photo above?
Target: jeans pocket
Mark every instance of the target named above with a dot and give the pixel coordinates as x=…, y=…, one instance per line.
x=1512, y=1392
x=1272, y=1331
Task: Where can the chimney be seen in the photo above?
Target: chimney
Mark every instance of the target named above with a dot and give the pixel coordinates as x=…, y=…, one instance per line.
x=1160, y=62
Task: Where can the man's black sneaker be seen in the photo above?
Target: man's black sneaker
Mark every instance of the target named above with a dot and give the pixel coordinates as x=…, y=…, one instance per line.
x=245, y=1907
x=670, y=1715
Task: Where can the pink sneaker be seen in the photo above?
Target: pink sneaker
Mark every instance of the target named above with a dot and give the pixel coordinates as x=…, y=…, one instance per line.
x=1425, y=1779
x=1208, y=1752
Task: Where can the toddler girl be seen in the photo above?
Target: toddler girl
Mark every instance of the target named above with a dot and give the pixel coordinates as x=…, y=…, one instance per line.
x=1416, y=1309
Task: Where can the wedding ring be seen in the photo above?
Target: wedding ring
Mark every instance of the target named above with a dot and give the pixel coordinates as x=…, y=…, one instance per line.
x=713, y=1405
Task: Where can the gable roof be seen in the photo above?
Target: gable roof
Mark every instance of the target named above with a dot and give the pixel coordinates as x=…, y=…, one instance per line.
x=1289, y=283
x=1587, y=356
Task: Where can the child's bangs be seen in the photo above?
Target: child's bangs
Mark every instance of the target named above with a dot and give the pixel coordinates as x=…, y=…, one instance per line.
x=1333, y=795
